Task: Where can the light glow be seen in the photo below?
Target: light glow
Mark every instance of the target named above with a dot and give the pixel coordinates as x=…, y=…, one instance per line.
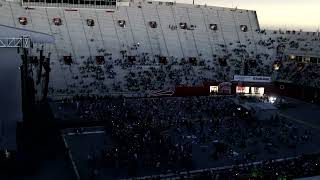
x=272, y=99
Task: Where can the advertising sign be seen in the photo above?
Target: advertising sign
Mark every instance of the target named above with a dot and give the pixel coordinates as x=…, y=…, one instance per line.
x=262, y=79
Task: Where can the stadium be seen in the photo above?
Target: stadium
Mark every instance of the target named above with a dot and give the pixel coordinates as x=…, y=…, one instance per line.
x=119, y=89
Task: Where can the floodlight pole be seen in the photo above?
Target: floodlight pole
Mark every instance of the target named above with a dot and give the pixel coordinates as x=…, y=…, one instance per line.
x=25, y=85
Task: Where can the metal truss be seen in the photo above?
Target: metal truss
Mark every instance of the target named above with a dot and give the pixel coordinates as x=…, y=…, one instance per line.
x=23, y=42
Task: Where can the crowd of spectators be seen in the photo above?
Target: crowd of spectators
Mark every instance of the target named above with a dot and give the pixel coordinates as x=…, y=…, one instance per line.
x=288, y=168
x=146, y=72
x=159, y=134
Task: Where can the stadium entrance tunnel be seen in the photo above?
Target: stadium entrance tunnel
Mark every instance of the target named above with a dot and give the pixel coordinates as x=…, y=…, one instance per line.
x=90, y=22
x=100, y=60
x=132, y=59
x=57, y=21
x=122, y=23
x=183, y=25
x=223, y=61
x=163, y=60
x=153, y=24
x=213, y=27
x=23, y=20
x=67, y=60
x=193, y=61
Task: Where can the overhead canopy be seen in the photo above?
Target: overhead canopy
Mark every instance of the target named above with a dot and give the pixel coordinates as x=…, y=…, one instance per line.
x=13, y=32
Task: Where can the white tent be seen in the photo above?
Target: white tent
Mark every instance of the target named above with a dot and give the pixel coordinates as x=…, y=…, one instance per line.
x=309, y=178
x=262, y=111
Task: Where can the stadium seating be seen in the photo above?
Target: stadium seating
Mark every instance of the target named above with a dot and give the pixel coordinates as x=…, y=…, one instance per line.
x=147, y=31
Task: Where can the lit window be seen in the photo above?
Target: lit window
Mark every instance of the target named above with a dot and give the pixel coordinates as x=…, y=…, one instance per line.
x=306, y=59
x=257, y=91
x=292, y=57
x=214, y=89
x=243, y=90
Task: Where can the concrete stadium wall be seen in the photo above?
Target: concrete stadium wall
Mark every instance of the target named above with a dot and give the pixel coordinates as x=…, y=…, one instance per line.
x=75, y=38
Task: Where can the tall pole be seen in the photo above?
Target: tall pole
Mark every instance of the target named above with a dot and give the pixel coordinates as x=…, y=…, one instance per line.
x=24, y=83
x=46, y=65
x=41, y=60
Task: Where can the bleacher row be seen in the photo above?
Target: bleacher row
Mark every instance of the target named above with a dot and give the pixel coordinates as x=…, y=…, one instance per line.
x=236, y=31
x=235, y=171
x=106, y=34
